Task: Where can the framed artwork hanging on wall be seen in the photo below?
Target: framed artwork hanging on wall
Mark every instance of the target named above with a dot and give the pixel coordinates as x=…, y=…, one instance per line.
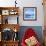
x=29, y=13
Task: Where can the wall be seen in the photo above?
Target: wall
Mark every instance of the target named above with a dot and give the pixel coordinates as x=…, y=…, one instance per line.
x=26, y=3
x=40, y=16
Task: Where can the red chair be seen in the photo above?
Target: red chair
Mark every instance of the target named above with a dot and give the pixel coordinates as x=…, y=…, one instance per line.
x=29, y=33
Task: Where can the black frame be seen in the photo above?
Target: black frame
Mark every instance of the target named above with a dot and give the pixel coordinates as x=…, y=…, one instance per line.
x=35, y=13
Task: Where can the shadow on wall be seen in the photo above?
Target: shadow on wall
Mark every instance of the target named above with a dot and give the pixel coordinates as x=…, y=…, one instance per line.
x=37, y=29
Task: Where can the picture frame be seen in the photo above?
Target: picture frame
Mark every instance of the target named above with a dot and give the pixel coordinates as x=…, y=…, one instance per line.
x=5, y=12
x=12, y=12
x=29, y=13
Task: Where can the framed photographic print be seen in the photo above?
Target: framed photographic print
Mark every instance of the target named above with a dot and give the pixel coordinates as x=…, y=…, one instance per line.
x=5, y=12
x=12, y=12
x=30, y=13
